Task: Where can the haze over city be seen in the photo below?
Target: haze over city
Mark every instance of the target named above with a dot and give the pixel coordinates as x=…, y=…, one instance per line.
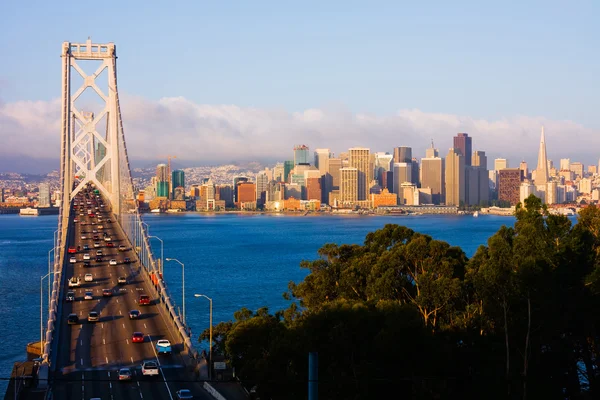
x=215, y=83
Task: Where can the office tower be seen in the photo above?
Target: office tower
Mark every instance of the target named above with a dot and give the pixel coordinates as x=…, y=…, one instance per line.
x=278, y=173
x=162, y=180
x=301, y=155
x=462, y=143
x=402, y=174
x=1, y=195
x=592, y=169
x=523, y=167
x=349, y=185
x=246, y=192
x=389, y=181
x=552, y=193
x=293, y=190
x=177, y=180
x=500, y=164
x=431, y=152
x=402, y=154
x=382, y=164
x=577, y=169
x=313, y=188
x=565, y=164
x=525, y=190
x=322, y=160
x=44, y=195
x=236, y=180
x=335, y=164
x=288, y=166
x=479, y=159
x=262, y=184
x=414, y=178
x=477, y=190
x=225, y=193
x=585, y=186
x=195, y=191
x=432, y=177
x=360, y=159
x=455, y=178
x=509, y=183
x=541, y=172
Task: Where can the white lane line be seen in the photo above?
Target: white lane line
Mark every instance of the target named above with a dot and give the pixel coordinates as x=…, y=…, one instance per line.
x=117, y=300
x=127, y=340
x=145, y=327
x=103, y=341
x=103, y=325
x=82, y=385
x=161, y=371
x=120, y=313
x=106, y=359
x=123, y=326
x=132, y=362
x=81, y=361
x=81, y=342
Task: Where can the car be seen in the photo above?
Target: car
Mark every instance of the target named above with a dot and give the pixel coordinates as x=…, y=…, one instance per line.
x=96, y=244
x=134, y=314
x=122, y=280
x=124, y=374
x=95, y=237
x=100, y=227
x=98, y=258
x=70, y=296
x=163, y=346
x=122, y=247
x=94, y=231
x=86, y=256
x=75, y=220
x=83, y=237
x=86, y=264
x=99, y=252
x=72, y=250
x=149, y=368
x=184, y=394
x=107, y=292
x=108, y=220
x=72, y=260
x=88, y=278
x=89, y=295
x=86, y=247
x=74, y=282
x=93, y=316
x=127, y=260
x=112, y=262
x=107, y=238
x=144, y=300
x=137, y=337
x=72, y=319
x=110, y=244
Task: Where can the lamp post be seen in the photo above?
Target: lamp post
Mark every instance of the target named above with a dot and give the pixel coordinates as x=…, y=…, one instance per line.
x=42, y=307
x=210, y=335
x=182, y=284
x=161, y=253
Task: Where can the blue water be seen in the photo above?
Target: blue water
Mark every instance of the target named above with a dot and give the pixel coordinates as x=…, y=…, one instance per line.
x=238, y=260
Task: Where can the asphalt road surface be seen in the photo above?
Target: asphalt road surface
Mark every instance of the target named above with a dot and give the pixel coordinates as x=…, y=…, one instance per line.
x=91, y=353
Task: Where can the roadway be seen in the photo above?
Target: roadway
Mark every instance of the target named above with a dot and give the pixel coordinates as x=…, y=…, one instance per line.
x=91, y=353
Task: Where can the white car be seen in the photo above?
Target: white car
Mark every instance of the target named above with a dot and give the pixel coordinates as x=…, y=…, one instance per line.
x=89, y=295
x=74, y=282
x=86, y=256
x=96, y=244
x=83, y=237
x=149, y=368
x=107, y=239
x=72, y=260
x=88, y=278
x=112, y=262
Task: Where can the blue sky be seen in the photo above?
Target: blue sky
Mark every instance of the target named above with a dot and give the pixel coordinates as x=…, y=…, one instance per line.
x=496, y=61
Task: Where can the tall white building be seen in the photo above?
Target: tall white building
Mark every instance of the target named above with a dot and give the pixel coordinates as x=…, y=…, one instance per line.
x=359, y=158
x=44, y=195
x=500, y=163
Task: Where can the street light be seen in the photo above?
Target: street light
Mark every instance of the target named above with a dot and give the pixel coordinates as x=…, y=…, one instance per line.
x=182, y=284
x=42, y=307
x=161, y=253
x=210, y=335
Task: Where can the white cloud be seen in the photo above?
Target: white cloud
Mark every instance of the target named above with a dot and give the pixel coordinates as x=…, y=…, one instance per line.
x=220, y=133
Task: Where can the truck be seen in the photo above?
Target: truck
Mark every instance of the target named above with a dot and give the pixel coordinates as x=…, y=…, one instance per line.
x=74, y=282
x=149, y=368
x=163, y=346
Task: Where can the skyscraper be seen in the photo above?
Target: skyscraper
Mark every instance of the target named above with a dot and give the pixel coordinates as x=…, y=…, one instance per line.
x=402, y=174
x=477, y=190
x=162, y=180
x=455, y=178
x=335, y=164
x=462, y=143
x=383, y=164
x=177, y=180
x=44, y=195
x=431, y=152
x=322, y=160
x=509, y=184
x=348, y=185
x=500, y=164
x=322, y=157
x=432, y=177
x=301, y=155
x=359, y=159
x=402, y=154
x=236, y=180
x=541, y=172
x=523, y=167
x=262, y=184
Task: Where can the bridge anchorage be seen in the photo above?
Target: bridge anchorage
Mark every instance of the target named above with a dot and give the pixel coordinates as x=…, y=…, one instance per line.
x=104, y=266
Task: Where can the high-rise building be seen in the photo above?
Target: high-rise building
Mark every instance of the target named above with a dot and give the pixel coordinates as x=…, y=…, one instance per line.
x=262, y=184
x=525, y=190
x=162, y=180
x=523, y=167
x=348, y=185
x=455, y=178
x=432, y=177
x=565, y=164
x=402, y=154
x=509, y=183
x=360, y=159
x=301, y=155
x=500, y=164
x=541, y=172
x=278, y=173
x=313, y=188
x=246, y=192
x=577, y=169
x=236, y=180
x=431, y=152
x=477, y=188
x=288, y=166
x=322, y=160
x=44, y=195
x=552, y=196
x=402, y=174
x=462, y=143
x=382, y=164
x=335, y=164
x=479, y=159
x=177, y=180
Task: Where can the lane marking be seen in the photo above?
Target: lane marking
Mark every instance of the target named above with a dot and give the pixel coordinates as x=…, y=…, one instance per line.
x=81, y=342
x=127, y=342
x=145, y=327
x=123, y=326
x=81, y=361
x=103, y=325
x=103, y=341
x=120, y=313
x=160, y=368
x=132, y=362
x=106, y=359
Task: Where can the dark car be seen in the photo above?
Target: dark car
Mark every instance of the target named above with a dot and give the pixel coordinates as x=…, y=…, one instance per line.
x=72, y=319
x=107, y=292
x=86, y=247
x=98, y=258
x=70, y=296
x=134, y=314
x=126, y=260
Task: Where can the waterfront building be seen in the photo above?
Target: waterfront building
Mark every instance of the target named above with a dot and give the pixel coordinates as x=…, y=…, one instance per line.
x=359, y=158
x=162, y=180
x=402, y=174
x=402, y=154
x=246, y=192
x=348, y=185
x=225, y=193
x=577, y=169
x=509, y=184
x=288, y=166
x=313, y=189
x=543, y=165
x=301, y=155
x=276, y=191
x=262, y=183
x=236, y=180
x=44, y=195
x=432, y=177
x=455, y=178
x=462, y=143
x=477, y=189
x=406, y=195
x=177, y=180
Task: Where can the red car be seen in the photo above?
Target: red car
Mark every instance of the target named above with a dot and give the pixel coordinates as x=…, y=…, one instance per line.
x=144, y=300
x=138, y=337
x=72, y=250
x=107, y=292
x=110, y=244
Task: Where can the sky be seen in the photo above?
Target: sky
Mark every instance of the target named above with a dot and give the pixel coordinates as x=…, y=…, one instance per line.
x=219, y=82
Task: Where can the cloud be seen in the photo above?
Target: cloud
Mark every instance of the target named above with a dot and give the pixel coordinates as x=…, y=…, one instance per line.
x=201, y=133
